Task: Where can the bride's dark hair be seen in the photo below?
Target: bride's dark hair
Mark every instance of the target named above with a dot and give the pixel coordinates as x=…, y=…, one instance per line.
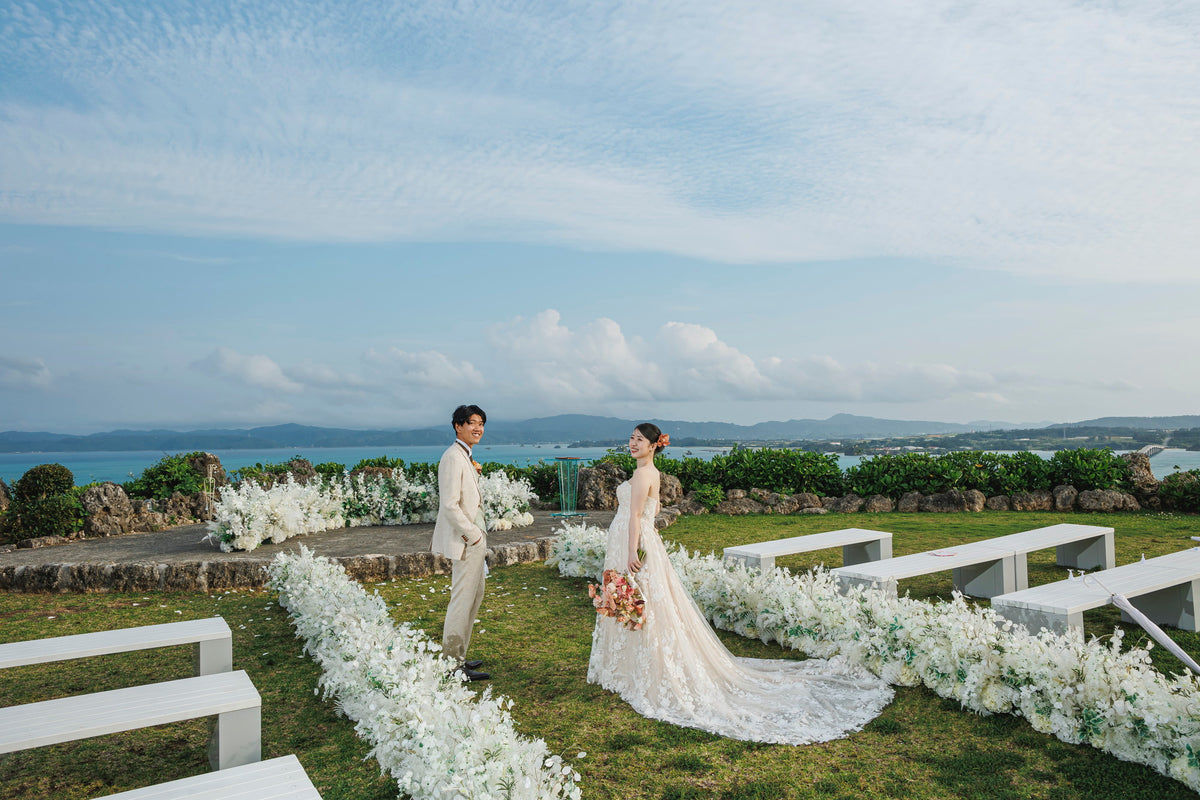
x=651, y=432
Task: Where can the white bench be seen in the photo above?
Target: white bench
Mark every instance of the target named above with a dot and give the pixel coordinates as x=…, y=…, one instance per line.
x=1166, y=589
x=231, y=696
x=275, y=779
x=1078, y=546
x=858, y=545
x=980, y=570
x=992, y=566
x=212, y=638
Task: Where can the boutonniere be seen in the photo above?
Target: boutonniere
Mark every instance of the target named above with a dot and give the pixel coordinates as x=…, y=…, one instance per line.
x=478, y=466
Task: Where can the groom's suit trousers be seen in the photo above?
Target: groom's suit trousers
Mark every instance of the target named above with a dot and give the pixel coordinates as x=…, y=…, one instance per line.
x=466, y=593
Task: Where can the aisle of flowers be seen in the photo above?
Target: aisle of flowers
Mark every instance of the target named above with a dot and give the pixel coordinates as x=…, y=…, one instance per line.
x=433, y=734
x=1089, y=692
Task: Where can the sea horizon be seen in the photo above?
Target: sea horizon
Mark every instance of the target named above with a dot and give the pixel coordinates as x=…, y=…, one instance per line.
x=121, y=466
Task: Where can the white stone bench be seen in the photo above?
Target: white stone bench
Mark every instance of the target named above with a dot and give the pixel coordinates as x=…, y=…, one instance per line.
x=1166, y=589
x=228, y=695
x=858, y=545
x=280, y=778
x=992, y=566
x=213, y=651
x=980, y=570
x=1078, y=546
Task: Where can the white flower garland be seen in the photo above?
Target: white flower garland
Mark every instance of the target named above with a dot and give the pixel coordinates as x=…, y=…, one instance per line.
x=248, y=515
x=1079, y=691
x=437, y=738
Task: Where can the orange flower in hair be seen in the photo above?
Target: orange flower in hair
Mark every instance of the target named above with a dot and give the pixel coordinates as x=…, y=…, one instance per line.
x=663, y=440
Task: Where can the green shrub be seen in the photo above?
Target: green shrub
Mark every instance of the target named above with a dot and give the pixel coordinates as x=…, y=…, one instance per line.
x=1085, y=469
x=1021, y=472
x=271, y=473
x=893, y=475
x=708, y=495
x=379, y=461
x=171, y=474
x=42, y=481
x=1181, y=490
x=778, y=471
x=330, y=470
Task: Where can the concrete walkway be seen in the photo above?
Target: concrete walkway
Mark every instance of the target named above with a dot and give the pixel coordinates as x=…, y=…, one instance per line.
x=180, y=558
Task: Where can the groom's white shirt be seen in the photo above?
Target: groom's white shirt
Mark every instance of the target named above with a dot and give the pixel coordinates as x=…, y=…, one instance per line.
x=460, y=505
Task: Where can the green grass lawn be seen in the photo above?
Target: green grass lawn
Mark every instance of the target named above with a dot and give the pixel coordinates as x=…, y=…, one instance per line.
x=534, y=631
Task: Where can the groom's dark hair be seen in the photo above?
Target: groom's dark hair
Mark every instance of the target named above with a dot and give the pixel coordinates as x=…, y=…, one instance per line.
x=463, y=413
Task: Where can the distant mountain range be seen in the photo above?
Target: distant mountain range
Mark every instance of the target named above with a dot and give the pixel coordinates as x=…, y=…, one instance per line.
x=563, y=428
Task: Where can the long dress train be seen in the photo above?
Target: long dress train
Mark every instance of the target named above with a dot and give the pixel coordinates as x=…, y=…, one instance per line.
x=675, y=668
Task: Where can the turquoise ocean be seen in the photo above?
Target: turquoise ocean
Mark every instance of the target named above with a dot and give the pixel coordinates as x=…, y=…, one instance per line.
x=126, y=465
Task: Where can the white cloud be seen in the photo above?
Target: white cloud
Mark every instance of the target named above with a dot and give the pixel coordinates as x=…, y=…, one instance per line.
x=258, y=371
x=24, y=373
x=1044, y=136
x=421, y=371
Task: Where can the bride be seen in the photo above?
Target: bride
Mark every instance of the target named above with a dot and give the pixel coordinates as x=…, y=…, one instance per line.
x=675, y=668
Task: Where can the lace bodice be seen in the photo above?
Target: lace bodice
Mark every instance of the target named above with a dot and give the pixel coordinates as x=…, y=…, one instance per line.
x=676, y=669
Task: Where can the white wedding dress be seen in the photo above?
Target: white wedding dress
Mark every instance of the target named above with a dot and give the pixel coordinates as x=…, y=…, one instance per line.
x=675, y=668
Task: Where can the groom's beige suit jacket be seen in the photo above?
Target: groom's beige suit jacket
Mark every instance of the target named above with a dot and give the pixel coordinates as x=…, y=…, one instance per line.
x=460, y=506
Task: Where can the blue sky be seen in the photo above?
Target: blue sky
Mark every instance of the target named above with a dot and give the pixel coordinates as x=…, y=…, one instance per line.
x=250, y=213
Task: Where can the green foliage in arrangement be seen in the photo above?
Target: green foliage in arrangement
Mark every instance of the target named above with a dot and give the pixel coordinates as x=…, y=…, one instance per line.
x=1089, y=469
x=1181, y=490
x=171, y=474
x=386, y=462
x=44, y=503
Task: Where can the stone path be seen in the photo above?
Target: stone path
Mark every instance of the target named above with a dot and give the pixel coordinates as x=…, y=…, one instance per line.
x=180, y=559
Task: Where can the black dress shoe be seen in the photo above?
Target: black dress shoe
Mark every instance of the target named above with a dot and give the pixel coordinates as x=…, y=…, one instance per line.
x=473, y=664
x=472, y=675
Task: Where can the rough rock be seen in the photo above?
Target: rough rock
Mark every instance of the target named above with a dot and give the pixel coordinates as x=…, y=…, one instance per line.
x=735, y=494
x=1145, y=485
x=598, y=486
x=909, y=502
x=1106, y=500
x=108, y=510
x=943, y=502
x=208, y=466
x=998, y=502
x=666, y=517
x=5, y=496
x=670, y=490
x=1037, y=500
x=784, y=504
x=1064, y=498
x=764, y=496
x=878, y=503
x=813, y=510
x=195, y=506
x=805, y=500
x=974, y=500
x=849, y=504
x=690, y=505
x=739, y=506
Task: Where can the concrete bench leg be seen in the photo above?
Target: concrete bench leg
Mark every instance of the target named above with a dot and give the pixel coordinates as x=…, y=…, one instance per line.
x=1176, y=606
x=888, y=587
x=988, y=579
x=866, y=551
x=235, y=738
x=213, y=656
x=1097, y=553
x=1034, y=620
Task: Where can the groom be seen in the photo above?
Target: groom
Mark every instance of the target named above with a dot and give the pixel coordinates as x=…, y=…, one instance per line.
x=461, y=535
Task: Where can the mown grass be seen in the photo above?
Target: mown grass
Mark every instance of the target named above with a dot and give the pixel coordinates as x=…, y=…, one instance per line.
x=534, y=632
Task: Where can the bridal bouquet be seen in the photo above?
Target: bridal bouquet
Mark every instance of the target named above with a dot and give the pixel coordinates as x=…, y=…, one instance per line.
x=617, y=596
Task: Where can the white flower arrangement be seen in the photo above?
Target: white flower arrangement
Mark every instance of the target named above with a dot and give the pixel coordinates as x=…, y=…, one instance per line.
x=248, y=515
x=1080, y=691
x=506, y=501
x=436, y=737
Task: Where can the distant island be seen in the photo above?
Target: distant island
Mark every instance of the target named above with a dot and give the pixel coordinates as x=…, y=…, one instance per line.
x=839, y=433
